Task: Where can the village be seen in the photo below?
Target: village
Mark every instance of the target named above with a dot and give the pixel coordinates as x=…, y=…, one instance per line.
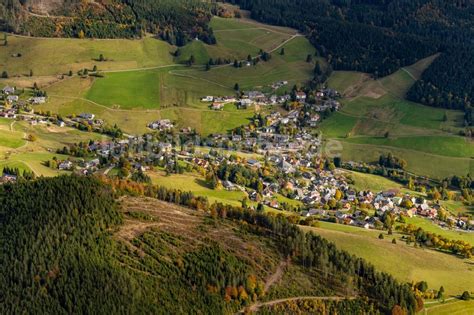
x=285, y=145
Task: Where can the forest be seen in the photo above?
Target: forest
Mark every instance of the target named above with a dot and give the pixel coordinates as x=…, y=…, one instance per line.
x=59, y=256
x=174, y=21
x=448, y=82
x=380, y=36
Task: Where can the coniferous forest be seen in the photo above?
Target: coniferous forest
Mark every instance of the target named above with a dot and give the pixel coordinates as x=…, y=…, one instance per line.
x=380, y=36
x=174, y=21
x=59, y=255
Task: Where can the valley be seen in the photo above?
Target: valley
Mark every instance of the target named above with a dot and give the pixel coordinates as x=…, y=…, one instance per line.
x=240, y=145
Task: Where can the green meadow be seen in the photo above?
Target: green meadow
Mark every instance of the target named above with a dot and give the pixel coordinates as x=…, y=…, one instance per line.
x=440, y=145
x=125, y=90
x=376, y=119
x=428, y=226
x=404, y=262
x=59, y=55
x=419, y=162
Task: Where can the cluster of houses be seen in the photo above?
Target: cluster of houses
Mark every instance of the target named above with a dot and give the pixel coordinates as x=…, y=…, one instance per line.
x=13, y=105
x=11, y=97
x=161, y=125
x=292, y=156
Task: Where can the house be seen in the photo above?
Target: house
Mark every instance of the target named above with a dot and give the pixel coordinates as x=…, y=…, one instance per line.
x=65, y=165
x=8, y=90
x=286, y=167
x=217, y=106
x=253, y=163
x=314, y=120
x=165, y=147
x=12, y=98
x=236, y=138
x=86, y=116
x=164, y=124
x=92, y=163
x=244, y=103
x=274, y=204
x=228, y=185
x=37, y=100
x=207, y=99
x=300, y=96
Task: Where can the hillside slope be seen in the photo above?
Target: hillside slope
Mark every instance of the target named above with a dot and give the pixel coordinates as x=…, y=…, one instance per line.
x=174, y=21
x=79, y=251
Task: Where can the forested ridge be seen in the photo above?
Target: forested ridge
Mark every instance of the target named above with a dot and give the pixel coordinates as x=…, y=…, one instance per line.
x=60, y=256
x=380, y=36
x=176, y=21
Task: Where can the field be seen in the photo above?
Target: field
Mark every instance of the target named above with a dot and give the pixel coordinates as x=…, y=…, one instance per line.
x=404, y=262
x=31, y=156
x=376, y=119
x=363, y=181
x=197, y=185
x=57, y=55
x=435, y=166
x=455, y=307
x=457, y=207
x=428, y=226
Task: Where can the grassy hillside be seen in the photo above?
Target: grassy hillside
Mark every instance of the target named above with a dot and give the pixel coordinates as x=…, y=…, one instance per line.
x=174, y=92
x=57, y=55
x=404, y=262
x=31, y=156
x=373, y=109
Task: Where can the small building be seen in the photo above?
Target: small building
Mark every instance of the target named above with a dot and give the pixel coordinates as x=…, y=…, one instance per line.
x=228, y=185
x=87, y=116
x=163, y=124
x=301, y=96
x=207, y=99
x=65, y=165
x=217, y=106
x=37, y=100
x=12, y=98
x=244, y=103
x=8, y=90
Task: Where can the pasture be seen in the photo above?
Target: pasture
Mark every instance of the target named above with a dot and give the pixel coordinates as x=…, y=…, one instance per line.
x=132, y=98
x=126, y=90
x=428, y=226
x=197, y=185
x=404, y=262
x=375, y=119
x=375, y=183
x=54, y=56
x=419, y=162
